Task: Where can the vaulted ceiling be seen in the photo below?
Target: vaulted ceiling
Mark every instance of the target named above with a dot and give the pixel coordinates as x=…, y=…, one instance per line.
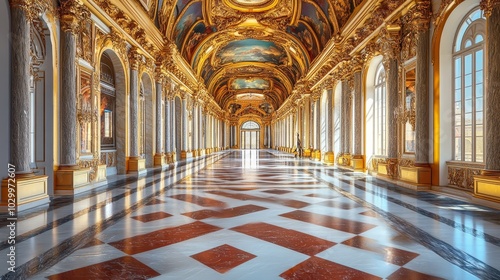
x=251, y=51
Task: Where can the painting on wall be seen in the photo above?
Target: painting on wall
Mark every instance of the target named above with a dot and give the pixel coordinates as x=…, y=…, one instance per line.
x=186, y=21
x=200, y=32
x=312, y=15
x=250, y=83
x=306, y=37
x=207, y=71
x=251, y=50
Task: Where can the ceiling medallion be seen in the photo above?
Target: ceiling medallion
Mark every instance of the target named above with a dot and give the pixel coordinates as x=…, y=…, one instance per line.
x=251, y=6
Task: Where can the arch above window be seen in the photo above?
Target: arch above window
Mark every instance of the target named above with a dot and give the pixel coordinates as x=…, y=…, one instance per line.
x=250, y=125
x=471, y=31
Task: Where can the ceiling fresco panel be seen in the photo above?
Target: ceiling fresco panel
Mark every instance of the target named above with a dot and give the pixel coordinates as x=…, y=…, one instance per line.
x=187, y=19
x=251, y=50
x=316, y=19
x=307, y=37
x=250, y=83
x=199, y=32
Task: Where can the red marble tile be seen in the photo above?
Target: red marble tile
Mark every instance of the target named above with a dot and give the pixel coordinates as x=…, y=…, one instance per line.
x=224, y=213
x=241, y=196
x=329, y=221
x=223, y=258
x=125, y=267
x=202, y=201
x=277, y=191
x=392, y=255
x=325, y=196
x=151, y=217
x=407, y=274
x=163, y=237
x=339, y=204
x=291, y=239
x=316, y=268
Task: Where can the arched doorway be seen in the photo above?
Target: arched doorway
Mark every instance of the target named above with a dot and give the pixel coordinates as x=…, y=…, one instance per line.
x=250, y=135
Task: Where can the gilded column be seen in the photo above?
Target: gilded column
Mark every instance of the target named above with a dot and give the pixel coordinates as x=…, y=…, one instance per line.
x=391, y=65
x=306, y=119
x=357, y=161
x=159, y=159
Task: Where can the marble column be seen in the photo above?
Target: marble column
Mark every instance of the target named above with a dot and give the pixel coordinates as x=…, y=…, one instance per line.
x=185, y=128
x=160, y=142
x=492, y=98
x=195, y=130
x=200, y=129
x=306, y=119
x=168, y=129
x=317, y=129
x=20, y=150
x=358, y=158
x=391, y=64
x=422, y=85
x=329, y=155
x=134, y=59
x=68, y=99
x=344, y=116
x=358, y=114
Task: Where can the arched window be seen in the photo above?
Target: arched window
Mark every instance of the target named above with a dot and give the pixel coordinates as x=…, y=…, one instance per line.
x=108, y=103
x=380, y=111
x=250, y=125
x=468, y=88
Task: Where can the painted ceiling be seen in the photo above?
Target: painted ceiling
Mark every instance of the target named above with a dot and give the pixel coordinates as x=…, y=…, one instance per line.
x=251, y=53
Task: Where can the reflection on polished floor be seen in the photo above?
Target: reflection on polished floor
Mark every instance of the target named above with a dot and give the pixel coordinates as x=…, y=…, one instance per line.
x=259, y=215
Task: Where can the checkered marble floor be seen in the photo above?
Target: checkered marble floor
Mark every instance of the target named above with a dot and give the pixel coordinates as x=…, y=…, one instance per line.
x=259, y=215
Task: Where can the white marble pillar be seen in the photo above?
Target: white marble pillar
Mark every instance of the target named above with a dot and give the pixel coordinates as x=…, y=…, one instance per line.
x=159, y=116
x=195, y=129
x=20, y=88
x=318, y=123
x=185, y=128
x=358, y=113
x=167, y=125
x=134, y=59
x=329, y=121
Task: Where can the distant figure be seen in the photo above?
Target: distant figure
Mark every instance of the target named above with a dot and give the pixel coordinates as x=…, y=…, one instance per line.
x=299, y=146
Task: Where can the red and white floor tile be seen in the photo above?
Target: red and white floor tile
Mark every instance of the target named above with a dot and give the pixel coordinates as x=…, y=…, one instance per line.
x=258, y=215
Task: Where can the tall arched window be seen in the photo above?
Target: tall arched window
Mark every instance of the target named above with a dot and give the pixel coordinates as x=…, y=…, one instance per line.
x=380, y=111
x=108, y=103
x=468, y=57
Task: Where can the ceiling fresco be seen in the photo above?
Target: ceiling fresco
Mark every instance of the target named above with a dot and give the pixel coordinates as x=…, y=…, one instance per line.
x=251, y=51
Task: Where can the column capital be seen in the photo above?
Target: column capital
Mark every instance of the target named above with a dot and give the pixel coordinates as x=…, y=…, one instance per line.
x=71, y=12
x=391, y=44
x=134, y=58
x=422, y=16
x=488, y=5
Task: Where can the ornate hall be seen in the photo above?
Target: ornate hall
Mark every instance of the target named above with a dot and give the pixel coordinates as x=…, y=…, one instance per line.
x=250, y=139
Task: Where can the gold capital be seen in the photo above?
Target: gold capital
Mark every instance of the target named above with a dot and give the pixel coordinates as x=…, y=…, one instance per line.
x=134, y=58
x=488, y=5
x=71, y=12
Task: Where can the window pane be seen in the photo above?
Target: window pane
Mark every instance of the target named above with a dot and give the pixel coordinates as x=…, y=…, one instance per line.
x=479, y=38
x=479, y=90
